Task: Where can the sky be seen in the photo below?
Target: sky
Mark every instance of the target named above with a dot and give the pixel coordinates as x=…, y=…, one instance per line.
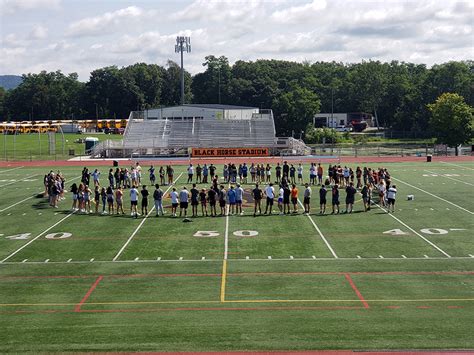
x=83, y=35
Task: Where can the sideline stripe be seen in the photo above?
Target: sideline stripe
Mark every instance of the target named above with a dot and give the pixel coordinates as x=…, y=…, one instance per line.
x=429, y=193
x=29, y=198
x=226, y=253
x=356, y=290
x=141, y=224
x=449, y=177
x=38, y=236
x=4, y=171
x=320, y=233
x=14, y=182
x=87, y=295
x=459, y=166
x=414, y=231
x=131, y=303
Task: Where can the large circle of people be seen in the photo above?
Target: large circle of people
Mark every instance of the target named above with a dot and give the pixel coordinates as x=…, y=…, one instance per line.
x=224, y=194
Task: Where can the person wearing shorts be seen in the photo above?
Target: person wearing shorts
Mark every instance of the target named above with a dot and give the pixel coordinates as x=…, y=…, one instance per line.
x=194, y=200
x=119, y=200
x=74, y=190
x=322, y=199
x=211, y=198
x=286, y=199
x=96, y=199
x=183, y=201
x=280, y=199
x=145, y=195
x=294, y=198
x=350, y=197
x=366, y=192
x=307, y=198
x=391, y=195
x=239, y=195
x=257, y=198
x=203, y=200
x=335, y=199
x=222, y=200
x=299, y=170
x=232, y=198
x=174, y=201
x=109, y=195
x=133, y=201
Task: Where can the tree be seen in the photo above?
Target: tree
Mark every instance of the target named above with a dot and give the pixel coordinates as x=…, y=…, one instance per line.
x=451, y=120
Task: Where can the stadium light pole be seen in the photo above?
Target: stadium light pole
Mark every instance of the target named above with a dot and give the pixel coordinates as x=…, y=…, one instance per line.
x=183, y=44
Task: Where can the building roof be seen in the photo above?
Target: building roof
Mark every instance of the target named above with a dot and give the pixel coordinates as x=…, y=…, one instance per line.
x=221, y=107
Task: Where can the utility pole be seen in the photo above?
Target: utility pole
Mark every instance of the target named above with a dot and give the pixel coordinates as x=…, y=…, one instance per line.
x=183, y=44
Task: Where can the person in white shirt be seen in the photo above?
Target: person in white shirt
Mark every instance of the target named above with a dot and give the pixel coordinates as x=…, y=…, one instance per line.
x=239, y=195
x=270, y=193
x=382, y=189
x=183, y=201
x=190, y=173
x=307, y=198
x=299, y=170
x=134, y=201
x=391, y=195
x=280, y=199
x=174, y=201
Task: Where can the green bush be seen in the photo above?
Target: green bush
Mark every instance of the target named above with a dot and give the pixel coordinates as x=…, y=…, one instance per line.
x=316, y=135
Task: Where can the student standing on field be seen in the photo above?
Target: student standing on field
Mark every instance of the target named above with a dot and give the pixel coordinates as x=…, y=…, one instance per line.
x=74, y=190
x=366, y=192
x=350, y=197
x=280, y=199
x=286, y=199
x=335, y=198
x=239, y=196
x=205, y=173
x=211, y=197
x=119, y=200
x=320, y=172
x=294, y=198
x=103, y=197
x=299, y=170
x=183, y=201
x=194, y=200
x=174, y=201
x=222, y=200
x=270, y=193
x=134, y=201
x=391, y=195
x=232, y=198
x=322, y=199
x=307, y=199
x=145, y=195
x=97, y=199
x=158, y=199
x=190, y=173
x=198, y=175
x=203, y=200
x=257, y=198
x=152, y=175
x=110, y=199
x=111, y=178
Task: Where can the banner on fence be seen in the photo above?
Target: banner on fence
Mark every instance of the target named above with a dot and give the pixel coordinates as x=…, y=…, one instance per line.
x=229, y=152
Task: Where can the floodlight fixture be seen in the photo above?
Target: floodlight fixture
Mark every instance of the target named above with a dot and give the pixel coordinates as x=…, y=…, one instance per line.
x=183, y=44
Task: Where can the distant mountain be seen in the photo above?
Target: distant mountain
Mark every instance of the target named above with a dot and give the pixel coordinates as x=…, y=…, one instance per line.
x=10, y=81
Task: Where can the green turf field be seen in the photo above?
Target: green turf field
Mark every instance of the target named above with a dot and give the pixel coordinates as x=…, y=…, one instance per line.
x=361, y=281
x=35, y=146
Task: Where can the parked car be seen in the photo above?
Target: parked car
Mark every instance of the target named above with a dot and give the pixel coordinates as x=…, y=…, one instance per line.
x=343, y=129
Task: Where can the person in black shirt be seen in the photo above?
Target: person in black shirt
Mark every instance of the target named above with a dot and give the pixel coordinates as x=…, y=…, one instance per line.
x=144, y=194
x=202, y=198
x=286, y=199
x=194, y=200
x=322, y=199
x=257, y=198
x=286, y=169
x=335, y=198
x=350, y=196
x=211, y=197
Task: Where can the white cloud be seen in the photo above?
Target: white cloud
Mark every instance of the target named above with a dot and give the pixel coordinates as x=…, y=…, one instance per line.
x=301, y=13
x=12, y=6
x=108, y=22
x=38, y=32
x=220, y=11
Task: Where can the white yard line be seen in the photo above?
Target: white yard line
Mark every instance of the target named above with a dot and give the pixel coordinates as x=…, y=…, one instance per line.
x=386, y=258
x=414, y=231
x=38, y=236
x=14, y=182
x=449, y=177
x=429, y=193
x=4, y=171
x=320, y=234
x=141, y=224
x=29, y=198
x=226, y=234
x=459, y=166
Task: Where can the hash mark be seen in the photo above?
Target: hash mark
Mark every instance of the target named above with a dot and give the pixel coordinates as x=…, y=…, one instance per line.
x=359, y=257
x=247, y=258
x=291, y=257
x=180, y=258
x=404, y=257
x=92, y=260
x=136, y=259
x=381, y=256
x=24, y=261
x=269, y=257
x=69, y=260
x=159, y=258
x=47, y=260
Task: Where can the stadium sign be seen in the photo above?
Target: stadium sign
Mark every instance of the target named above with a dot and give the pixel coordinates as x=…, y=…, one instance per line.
x=230, y=152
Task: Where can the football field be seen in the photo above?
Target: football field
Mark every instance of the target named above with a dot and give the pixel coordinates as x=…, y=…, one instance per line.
x=362, y=281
